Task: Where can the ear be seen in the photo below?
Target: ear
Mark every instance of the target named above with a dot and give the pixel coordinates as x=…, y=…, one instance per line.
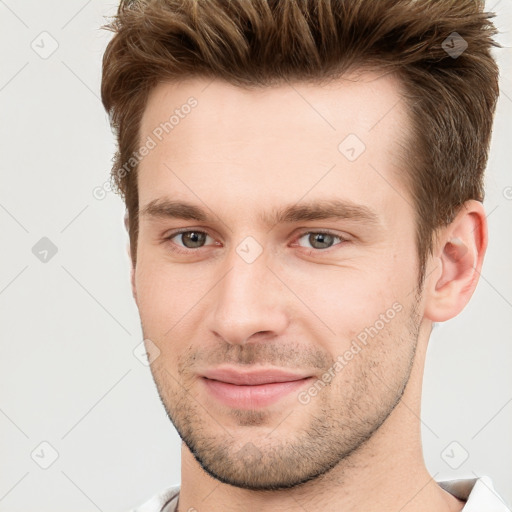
x=457, y=261
x=132, y=271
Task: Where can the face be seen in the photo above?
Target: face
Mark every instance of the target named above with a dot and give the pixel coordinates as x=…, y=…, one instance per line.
x=276, y=271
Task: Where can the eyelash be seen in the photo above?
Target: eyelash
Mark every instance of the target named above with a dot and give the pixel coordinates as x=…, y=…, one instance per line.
x=309, y=252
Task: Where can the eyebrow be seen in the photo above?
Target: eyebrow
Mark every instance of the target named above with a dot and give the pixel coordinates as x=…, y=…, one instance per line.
x=326, y=209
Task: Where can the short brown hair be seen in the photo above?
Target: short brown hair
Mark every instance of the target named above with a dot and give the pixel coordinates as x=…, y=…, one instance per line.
x=451, y=98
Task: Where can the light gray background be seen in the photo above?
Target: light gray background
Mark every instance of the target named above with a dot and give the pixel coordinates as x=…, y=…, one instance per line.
x=68, y=375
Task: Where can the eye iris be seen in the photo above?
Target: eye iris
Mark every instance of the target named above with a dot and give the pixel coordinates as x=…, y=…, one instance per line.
x=322, y=238
x=195, y=237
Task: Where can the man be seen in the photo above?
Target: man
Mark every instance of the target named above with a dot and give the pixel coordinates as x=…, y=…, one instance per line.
x=303, y=183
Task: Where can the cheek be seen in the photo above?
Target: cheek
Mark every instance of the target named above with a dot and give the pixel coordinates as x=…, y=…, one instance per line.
x=162, y=294
x=350, y=298
x=347, y=297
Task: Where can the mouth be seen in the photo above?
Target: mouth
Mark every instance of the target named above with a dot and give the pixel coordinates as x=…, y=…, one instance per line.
x=252, y=389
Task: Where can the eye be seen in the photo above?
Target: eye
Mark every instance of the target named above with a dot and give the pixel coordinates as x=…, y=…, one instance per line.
x=190, y=239
x=321, y=240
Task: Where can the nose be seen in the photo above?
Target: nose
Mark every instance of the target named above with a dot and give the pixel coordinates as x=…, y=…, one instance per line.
x=249, y=303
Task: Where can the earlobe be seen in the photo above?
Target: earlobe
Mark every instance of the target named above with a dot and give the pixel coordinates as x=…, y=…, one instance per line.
x=459, y=254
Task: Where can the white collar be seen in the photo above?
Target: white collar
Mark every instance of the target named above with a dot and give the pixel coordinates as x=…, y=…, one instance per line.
x=478, y=493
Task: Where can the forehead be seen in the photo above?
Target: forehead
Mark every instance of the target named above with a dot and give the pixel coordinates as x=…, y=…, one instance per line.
x=275, y=144
x=365, y=102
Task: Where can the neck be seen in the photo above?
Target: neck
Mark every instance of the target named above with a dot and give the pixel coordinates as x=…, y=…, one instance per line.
x=386, y=474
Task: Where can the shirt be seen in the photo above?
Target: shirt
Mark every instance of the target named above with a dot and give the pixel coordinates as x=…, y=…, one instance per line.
x=478, y=493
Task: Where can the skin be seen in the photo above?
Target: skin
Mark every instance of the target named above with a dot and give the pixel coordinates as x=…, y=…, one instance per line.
x=239, y=154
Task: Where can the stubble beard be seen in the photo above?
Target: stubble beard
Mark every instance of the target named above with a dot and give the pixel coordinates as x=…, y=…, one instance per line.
x=336, y=423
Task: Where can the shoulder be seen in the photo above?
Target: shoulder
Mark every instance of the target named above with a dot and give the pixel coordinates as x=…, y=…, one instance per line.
x=164, y=501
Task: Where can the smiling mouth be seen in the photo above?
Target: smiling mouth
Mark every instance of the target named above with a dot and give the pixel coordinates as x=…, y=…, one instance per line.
x=252, y=389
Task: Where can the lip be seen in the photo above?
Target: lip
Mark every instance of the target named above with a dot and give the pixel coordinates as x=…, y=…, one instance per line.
x=254, y=388
x=252, y=377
